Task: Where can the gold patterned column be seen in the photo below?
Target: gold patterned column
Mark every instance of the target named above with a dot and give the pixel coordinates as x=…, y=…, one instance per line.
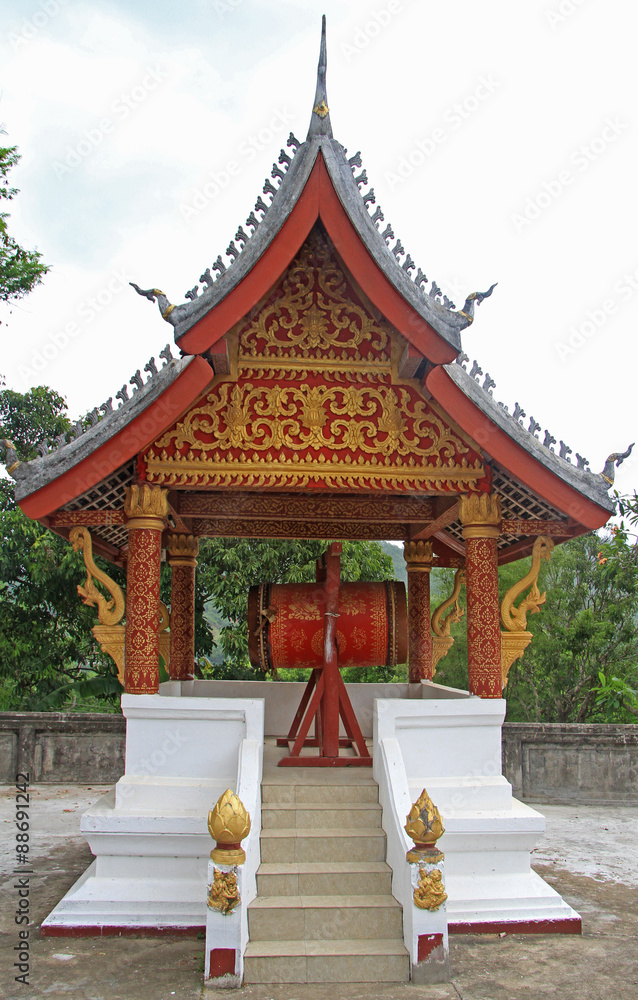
x=418, y=557
x=182, y=558
x=146, y=509
x=480, y=516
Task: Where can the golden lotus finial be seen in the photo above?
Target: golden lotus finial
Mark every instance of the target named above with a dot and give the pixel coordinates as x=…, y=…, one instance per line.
x=424, y=827
x=228, y=825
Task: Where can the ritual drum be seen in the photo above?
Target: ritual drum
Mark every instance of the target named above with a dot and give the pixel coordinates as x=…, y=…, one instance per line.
x=285, y=625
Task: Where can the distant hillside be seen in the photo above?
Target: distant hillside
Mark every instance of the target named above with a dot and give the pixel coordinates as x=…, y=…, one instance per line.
x=396, y=555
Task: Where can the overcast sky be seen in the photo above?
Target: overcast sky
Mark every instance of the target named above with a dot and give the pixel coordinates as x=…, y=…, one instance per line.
x=501, y=140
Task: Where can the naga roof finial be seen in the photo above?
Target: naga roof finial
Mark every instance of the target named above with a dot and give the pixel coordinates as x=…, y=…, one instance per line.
x=320, y=117
x=609, y=472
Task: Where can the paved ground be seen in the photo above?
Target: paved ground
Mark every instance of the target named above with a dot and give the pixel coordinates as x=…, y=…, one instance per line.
x=590, y=855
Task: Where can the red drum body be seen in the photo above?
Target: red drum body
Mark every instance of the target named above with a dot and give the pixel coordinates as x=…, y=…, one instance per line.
x=285, y=625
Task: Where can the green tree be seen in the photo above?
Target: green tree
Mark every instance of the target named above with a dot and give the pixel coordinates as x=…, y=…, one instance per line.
x=20, y=270
x=588, y=627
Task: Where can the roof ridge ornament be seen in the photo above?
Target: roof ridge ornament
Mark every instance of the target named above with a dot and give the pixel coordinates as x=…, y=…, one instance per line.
x=320, y=118
x=614, y=460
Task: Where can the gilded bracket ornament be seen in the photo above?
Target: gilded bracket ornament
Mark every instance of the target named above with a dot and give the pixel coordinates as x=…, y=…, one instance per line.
x=108, y=612
x=516, y=638
x=442, y=641
x=228, y=825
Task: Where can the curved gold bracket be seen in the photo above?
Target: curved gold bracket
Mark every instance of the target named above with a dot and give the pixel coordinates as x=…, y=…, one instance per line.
x=515, y=618
x=442, y=641
x=108, y=612
x=513, y=645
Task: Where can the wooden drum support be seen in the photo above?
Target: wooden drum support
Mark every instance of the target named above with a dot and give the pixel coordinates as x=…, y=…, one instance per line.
x=323, y=626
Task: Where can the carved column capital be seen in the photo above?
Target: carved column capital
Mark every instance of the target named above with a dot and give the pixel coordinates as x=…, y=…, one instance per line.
x=418, y=556
x=182, y=549
x=480, y=515
x=146, y=506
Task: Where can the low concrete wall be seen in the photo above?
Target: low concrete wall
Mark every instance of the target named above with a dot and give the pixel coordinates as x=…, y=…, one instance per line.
x=61, y=747
x=544, y=762
x=547, y=762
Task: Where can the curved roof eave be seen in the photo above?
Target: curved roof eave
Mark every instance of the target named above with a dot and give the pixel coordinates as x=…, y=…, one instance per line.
x=303, y=198
x=46, y=484
x=579, y=494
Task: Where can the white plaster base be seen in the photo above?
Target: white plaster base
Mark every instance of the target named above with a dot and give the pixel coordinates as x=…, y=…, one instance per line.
x=149, y=834
x=453, y=749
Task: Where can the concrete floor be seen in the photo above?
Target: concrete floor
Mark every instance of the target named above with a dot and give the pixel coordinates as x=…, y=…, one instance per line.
x=589, y=854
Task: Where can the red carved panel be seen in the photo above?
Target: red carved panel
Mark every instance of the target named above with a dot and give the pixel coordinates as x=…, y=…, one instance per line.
x=483, y=623
x=142, y=612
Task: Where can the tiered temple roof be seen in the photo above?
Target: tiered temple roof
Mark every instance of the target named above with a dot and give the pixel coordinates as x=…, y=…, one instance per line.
x=317, y=201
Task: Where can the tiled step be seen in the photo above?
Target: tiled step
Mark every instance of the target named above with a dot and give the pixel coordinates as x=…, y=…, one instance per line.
x=298, y=878
x=364, y=790
x=320, y=815
x=363, y=844
x=345, y=961
x=315, y=918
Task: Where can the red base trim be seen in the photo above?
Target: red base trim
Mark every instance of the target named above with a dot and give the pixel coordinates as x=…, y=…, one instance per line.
x=566, y=925
x=222, y=963
x=426, y=945
x=113, y=930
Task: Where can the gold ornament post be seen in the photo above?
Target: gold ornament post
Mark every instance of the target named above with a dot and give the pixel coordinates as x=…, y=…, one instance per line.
x=228, y=825
x=418, y=557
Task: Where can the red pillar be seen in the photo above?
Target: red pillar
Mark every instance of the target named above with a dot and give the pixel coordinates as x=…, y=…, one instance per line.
x=418, y=557
x=145, y=509
x=182, y=558
x=481, y=518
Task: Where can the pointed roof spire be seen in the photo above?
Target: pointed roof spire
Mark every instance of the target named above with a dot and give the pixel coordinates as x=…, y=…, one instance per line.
x=320, y=118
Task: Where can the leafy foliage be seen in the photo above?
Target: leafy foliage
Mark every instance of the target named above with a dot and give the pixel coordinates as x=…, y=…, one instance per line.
x=20, y=270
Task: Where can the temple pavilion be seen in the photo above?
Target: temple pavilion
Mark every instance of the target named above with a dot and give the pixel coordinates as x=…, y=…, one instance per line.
x=320, y=390
x=317, y=388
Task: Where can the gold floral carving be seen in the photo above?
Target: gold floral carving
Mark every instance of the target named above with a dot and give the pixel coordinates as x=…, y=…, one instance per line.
x=442, y=622
x=515, y=618
x=314, y=314
x=146, y=501
x=228, y=825
x=223, y=894
x=108, y=612
x=314, y=398
x=430, y=893
x=480, y=511
x=418, y=555
x=182, y=547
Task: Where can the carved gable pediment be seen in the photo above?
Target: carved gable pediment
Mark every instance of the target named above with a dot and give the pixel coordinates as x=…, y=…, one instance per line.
x=314, y=400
